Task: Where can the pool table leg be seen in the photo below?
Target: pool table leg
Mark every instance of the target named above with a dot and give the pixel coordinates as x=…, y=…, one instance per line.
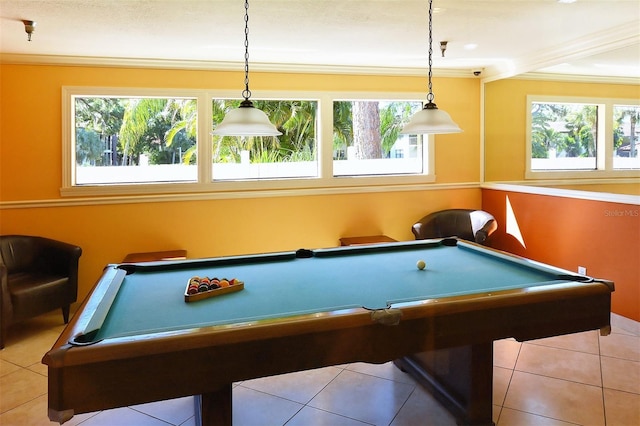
x=460, y=378
x=214, y=408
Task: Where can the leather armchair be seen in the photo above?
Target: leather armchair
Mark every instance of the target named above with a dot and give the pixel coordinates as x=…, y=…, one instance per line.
x=38, y=275
x=471, y=225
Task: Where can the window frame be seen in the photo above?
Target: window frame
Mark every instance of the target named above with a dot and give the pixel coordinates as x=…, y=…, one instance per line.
x=205, y=182
x=604, y=143
x=428, y=160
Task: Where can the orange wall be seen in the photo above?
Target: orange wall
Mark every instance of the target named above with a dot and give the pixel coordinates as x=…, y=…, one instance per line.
x=31, y=114
x=30, y=174
x=226, y=227
x=567, y=232
x=506, y=112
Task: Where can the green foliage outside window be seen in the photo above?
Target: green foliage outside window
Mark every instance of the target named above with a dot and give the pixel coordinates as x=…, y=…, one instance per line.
x=385, y=131
x=569, y=130
x=112, y=131
x=625, y=125
x=296, y=119
x=117, y=131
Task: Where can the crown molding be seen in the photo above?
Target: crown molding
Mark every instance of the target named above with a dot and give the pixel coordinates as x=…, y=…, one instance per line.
x=575, y=78
x=20, y=59
x=593, y=44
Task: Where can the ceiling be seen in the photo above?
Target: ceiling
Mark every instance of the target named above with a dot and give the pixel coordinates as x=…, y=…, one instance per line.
x=598, y=38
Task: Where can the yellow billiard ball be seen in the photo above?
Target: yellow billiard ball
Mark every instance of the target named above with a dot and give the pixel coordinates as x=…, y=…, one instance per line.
x=421, y=265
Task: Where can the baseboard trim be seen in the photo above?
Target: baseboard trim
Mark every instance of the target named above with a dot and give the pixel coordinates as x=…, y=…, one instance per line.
x=625, y=323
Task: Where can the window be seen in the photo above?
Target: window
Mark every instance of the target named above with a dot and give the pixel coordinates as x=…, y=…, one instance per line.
x=368, y=131
x=134, y=140
x=563, y=136
x=127, y=140
x=626, y=137
x=576, y=137
x=290, y=155
x=119, y=140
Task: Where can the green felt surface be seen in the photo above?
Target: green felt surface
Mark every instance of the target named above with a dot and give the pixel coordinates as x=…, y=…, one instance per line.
x=335, y=279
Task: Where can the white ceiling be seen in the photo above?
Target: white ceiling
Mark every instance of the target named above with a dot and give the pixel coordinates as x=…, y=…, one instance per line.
x=587, y=37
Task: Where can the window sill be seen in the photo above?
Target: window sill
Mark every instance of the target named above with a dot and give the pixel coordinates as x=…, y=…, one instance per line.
x=274, y=187
x=580, y=174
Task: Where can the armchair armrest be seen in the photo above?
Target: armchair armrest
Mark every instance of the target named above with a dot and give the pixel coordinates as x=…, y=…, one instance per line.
x=58, y=256
x=483, y=225
x=6, y=310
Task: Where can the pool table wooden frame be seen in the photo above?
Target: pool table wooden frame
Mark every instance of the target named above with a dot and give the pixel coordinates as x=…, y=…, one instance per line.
x=447, y=343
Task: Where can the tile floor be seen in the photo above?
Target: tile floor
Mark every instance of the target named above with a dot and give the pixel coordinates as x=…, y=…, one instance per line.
x=579, y=379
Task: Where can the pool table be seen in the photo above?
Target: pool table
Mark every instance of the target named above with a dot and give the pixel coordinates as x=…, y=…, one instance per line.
x=136, y=339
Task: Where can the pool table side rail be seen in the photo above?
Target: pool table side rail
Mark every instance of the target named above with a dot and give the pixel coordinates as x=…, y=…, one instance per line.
x=558, y=273
x=173, y=265
x=384, y=247
x=91, y=311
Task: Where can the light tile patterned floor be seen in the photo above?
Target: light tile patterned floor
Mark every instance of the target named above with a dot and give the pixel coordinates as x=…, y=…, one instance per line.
x=579, y=379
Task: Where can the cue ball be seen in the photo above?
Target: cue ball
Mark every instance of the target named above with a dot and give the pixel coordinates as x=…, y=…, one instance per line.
x=421, y=265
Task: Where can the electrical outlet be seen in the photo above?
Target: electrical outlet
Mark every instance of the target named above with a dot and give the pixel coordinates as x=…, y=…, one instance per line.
x=582, y=270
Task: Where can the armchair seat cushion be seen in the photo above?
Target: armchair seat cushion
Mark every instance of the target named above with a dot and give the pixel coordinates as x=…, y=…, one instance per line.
x=34, y=283
x=32, y=294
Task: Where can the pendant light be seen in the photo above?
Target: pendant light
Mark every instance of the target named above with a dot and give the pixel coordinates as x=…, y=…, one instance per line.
x=430, y=119
x=246, y=120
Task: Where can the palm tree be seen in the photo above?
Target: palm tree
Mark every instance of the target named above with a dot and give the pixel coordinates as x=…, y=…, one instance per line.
x=543, y=136
x=155, y=124
x=581, y=123
x=135, y=123
x=295, y=119
x=393, y=118
x=299, y=129
x=633, y=112
x=227, y=149
x=184, y=117
x=342, y=128
x=543, y=139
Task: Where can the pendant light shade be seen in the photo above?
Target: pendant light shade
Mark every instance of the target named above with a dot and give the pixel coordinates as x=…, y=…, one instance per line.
x=431, y=120
x=246, y=120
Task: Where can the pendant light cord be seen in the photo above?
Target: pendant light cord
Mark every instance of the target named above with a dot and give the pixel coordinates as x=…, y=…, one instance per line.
x=246, y=121
x=246, y=93
x=430, y=96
